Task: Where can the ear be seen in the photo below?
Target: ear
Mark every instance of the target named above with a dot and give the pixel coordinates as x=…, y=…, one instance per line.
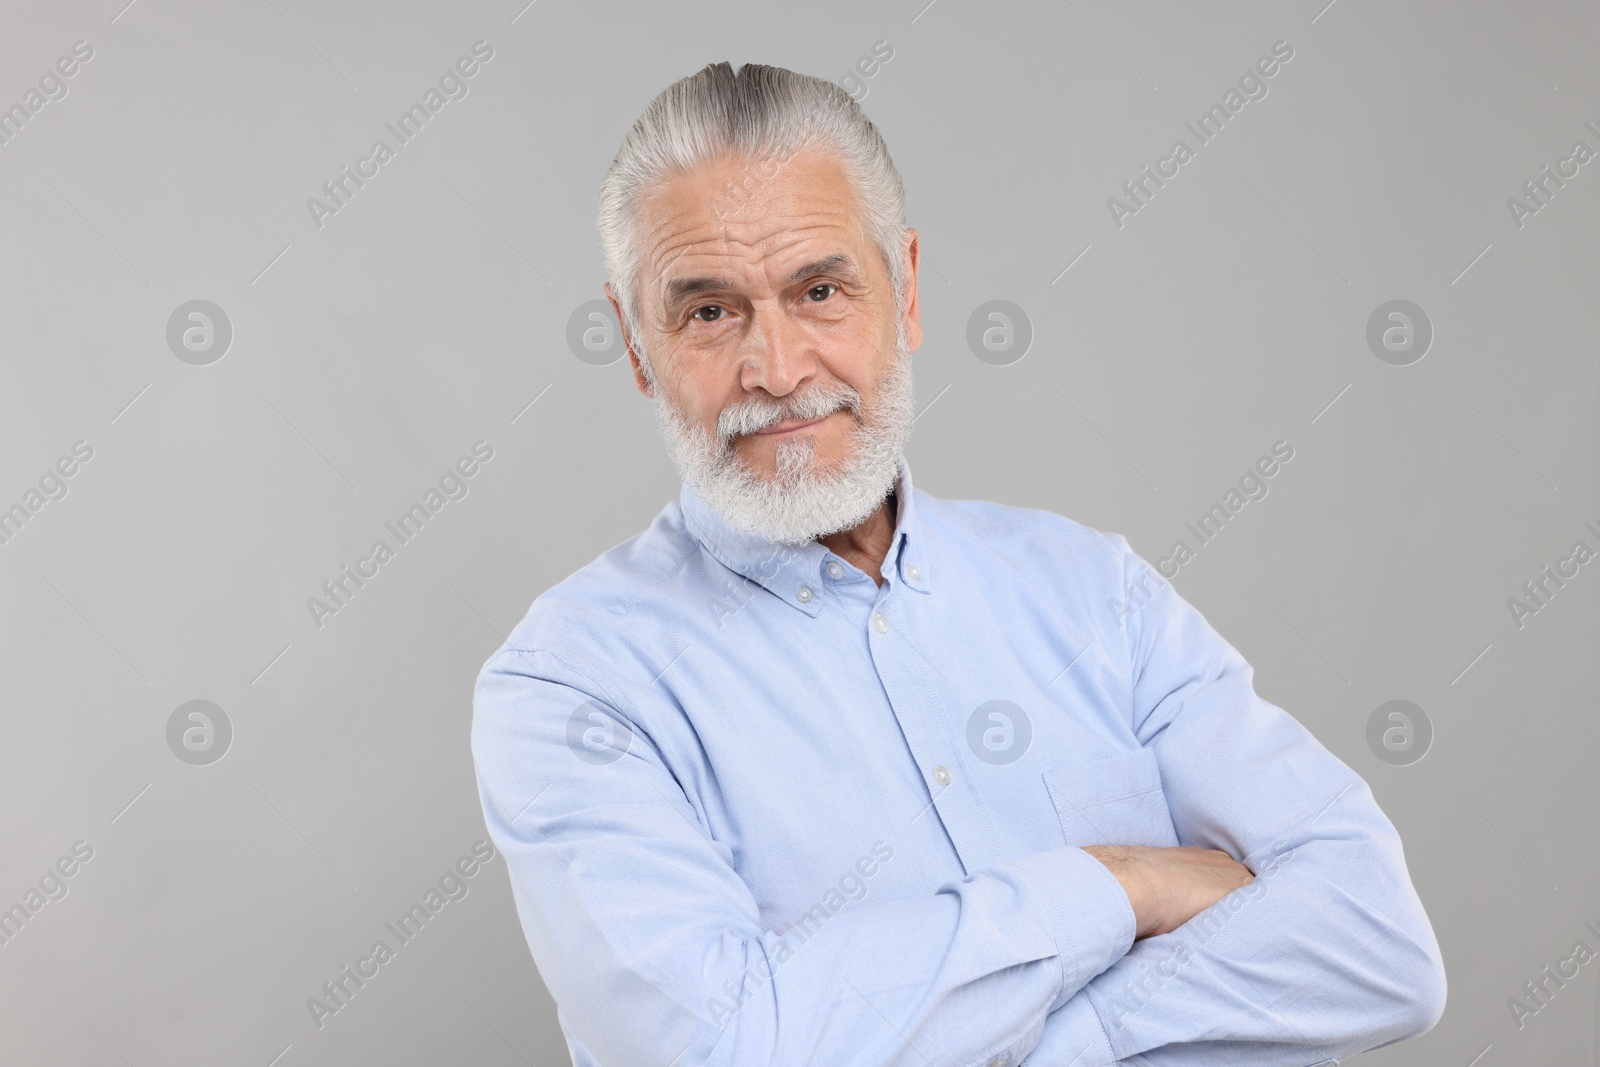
x=639, y=380
x=913, y=313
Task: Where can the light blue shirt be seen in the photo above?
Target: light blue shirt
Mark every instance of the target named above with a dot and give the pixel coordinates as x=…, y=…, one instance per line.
x=757, y=809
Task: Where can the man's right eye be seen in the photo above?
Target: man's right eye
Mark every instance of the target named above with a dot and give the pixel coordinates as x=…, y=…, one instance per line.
x=709, y=313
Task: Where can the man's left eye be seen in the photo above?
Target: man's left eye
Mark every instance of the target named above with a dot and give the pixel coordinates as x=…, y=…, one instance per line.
x=825, y=290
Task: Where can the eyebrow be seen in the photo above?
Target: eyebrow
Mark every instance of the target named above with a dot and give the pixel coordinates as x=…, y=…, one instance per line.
x=679, y=290
x=838, y=263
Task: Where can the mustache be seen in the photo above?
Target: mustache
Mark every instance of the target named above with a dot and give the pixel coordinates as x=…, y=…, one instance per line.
x=752, y=416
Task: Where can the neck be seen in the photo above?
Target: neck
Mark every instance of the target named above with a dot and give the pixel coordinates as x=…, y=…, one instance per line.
x=864, y=546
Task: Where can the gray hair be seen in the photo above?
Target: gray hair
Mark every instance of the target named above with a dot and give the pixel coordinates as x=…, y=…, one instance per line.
x=760, y=113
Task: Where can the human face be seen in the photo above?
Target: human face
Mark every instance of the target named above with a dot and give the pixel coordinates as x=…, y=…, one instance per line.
x=763, y=314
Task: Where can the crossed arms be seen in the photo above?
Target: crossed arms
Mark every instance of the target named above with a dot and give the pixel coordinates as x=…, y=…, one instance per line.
x=654, y=947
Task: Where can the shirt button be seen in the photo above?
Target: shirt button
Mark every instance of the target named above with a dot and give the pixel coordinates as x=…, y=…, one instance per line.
x=881, y=623
x=803, y=594
x=834, y=570
x=941, y=774
x=914, y=572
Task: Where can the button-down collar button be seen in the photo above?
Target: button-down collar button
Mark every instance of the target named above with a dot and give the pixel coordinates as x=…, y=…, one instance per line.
x=914, y=572
x=834, y=570
x=881, y=623
x=941, y=774
x=803, y=594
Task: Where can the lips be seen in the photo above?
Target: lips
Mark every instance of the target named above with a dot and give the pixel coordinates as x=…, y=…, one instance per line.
x=790, y=426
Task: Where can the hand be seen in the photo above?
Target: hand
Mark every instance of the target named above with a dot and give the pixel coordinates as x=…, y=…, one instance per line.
x=1169, y=886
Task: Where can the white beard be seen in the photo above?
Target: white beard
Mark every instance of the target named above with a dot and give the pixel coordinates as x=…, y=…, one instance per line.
x=799, y=503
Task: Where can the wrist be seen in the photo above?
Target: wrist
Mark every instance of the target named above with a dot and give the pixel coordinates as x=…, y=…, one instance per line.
x=1148, y=899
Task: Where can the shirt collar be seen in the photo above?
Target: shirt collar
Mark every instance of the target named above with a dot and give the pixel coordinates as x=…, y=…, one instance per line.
x=798, y=574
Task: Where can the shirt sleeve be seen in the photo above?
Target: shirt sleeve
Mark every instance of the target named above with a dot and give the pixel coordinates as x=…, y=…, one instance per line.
x=1328, y=953
x=653, y=946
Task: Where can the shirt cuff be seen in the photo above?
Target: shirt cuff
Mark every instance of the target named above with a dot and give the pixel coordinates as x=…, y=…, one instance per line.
x=1087, y=910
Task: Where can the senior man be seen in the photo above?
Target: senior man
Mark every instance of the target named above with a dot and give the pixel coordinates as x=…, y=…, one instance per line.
x=819, y=769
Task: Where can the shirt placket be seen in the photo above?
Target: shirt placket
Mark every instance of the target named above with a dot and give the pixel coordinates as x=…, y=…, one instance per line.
x=917, y=697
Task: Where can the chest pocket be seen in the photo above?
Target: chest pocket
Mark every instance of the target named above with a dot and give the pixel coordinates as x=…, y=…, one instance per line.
x=1116, y=800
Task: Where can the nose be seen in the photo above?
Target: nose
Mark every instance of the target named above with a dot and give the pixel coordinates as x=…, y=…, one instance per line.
x=778, y=357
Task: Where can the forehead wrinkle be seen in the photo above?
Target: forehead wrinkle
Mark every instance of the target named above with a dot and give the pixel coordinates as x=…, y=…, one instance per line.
x=666, y=235
x=680, y=211
x=725, y=266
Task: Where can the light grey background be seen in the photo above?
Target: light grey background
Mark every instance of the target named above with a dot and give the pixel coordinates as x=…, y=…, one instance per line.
x=370, y=353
